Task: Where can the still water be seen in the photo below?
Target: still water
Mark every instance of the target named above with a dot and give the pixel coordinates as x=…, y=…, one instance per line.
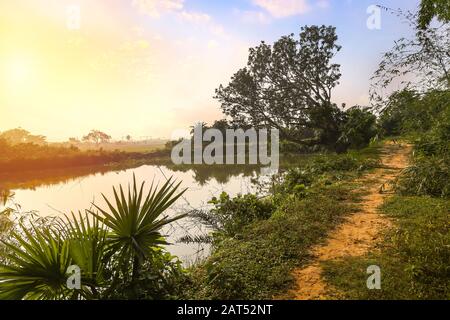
x=56, y=193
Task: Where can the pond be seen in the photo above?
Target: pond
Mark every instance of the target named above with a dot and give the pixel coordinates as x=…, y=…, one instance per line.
x=58, y=192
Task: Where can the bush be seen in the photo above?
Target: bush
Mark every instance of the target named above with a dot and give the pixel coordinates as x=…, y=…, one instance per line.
x=407, y=112
x=426, y=118
x=427, y=176
x=358, y=129
x=161, y=277
x=395, y=117
x=231, y=215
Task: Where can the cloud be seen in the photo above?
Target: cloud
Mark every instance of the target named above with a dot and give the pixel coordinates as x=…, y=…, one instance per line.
x=194, y=17
x=252, y=16
x=283, y=8
x=155, y=8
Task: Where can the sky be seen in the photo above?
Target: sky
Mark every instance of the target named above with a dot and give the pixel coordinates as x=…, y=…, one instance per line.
x=150, y=67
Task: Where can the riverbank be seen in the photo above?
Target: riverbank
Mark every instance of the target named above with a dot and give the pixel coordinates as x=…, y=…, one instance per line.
x=328, y=224
x=255, y=258
x=33, y=157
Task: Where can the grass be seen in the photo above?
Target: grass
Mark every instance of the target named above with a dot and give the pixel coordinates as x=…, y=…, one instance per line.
x=414, y=257
x=257, y=262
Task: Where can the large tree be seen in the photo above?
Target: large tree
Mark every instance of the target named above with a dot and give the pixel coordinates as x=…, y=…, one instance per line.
x=97, y=137
x=288, y=86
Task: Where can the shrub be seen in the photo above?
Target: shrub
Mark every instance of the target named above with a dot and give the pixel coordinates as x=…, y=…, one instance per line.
x=358, y=129
x=161, y=277
x=394, y=118
x=232, y=214
x=326, y=168
x=408, y=112
x=427, y=176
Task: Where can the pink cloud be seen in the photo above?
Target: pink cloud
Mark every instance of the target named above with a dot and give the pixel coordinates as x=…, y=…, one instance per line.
x=283, y=8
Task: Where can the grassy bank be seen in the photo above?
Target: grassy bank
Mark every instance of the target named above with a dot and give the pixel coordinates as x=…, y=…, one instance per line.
x=253, y=259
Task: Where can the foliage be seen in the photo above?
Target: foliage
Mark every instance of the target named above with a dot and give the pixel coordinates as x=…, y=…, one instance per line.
x=358, y=128
x=326, y=169
x=413, y=258
x=30, y=156
x=121, y=248
x=257, y=264
x=427, y=176
x=420, y=63
x=36, y=266
x=135, y=221
x=433, y=8
x=19, y=135
x=408, y=112
x=425, y=117
x=399, y=114
x=288, y=86
x=161, y=277
x=229, y=216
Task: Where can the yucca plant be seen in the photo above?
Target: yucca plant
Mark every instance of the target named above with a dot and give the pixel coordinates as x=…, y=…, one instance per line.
x=135, y=221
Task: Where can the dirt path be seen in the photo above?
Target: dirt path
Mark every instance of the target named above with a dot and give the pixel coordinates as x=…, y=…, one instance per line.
x=359, y=232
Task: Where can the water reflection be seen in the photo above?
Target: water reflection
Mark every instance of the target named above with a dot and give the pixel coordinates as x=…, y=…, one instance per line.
x=56, y=192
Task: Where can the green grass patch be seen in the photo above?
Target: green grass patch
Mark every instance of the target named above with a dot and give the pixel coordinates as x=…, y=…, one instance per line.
x=414, y=257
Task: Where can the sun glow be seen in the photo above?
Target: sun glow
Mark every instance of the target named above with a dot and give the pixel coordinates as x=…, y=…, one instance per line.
x=18, y=72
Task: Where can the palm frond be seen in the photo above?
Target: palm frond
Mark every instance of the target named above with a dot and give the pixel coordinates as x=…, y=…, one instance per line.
x=135, y=221
x=36, y=265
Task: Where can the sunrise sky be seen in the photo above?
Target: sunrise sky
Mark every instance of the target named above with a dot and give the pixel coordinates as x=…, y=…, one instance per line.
x=148, y=67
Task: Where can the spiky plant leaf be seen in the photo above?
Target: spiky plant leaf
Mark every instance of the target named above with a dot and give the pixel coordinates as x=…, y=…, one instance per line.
x=135, y=222
x=37, y=261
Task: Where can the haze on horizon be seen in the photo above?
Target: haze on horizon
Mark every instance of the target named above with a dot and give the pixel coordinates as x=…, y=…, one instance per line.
x=148, y=67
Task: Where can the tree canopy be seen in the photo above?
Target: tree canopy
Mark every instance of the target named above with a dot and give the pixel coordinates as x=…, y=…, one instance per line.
x=433, y=8
x=419, y=63
x=19, y=135
x=288, y=86
x=97, y=137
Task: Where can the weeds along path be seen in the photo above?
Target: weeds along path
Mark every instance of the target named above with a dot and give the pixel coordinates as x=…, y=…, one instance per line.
x=360, y=231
